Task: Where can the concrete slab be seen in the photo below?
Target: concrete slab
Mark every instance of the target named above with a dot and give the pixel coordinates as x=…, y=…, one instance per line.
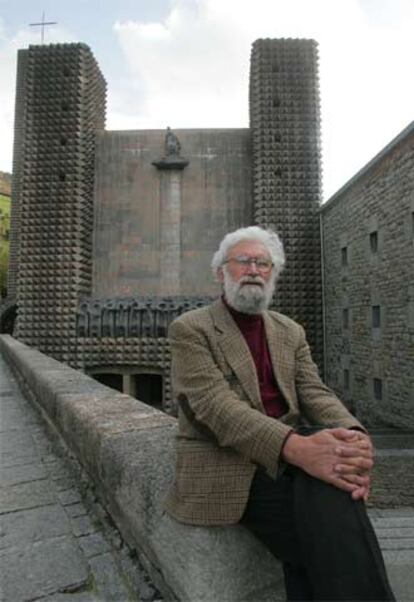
x=20, y=529
x=27, y=495
x=23, y=473
x=400, y=567
x=46, y=567
x=93, y=545
x=107, y=579
x=14, y=440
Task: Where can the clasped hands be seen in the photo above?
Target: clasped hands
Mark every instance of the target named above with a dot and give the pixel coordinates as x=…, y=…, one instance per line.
x=338, y=456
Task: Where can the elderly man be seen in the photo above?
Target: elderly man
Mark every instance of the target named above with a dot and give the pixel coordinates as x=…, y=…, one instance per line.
x=263, y=442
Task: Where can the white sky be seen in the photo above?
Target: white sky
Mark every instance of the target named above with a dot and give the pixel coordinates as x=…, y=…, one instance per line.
x=185, y=63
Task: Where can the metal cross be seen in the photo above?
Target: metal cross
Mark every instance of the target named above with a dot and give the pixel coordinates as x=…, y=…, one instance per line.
x=42, y=25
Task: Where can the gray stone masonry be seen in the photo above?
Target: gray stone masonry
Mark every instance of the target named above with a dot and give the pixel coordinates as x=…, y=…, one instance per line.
x=55, y=541
x=368, y=241
x=53, y=549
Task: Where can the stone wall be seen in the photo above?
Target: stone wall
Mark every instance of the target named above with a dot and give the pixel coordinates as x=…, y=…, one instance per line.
x=145, y=245
x=127, y=449
x=368, y=249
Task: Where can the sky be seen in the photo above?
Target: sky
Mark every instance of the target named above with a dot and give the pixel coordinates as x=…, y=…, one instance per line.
x=185, y=63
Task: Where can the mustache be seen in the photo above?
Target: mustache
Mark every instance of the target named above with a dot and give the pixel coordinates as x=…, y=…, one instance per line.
x=252, y=280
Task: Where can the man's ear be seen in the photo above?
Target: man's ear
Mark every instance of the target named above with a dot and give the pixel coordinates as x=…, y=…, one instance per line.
x=220, y=275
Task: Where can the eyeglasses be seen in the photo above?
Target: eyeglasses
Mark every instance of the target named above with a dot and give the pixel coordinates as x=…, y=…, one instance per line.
x=263, y=265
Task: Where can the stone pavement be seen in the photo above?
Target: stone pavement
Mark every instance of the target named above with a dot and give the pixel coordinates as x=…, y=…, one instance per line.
x=57, y=545
x=53, y=546
x=395, y=530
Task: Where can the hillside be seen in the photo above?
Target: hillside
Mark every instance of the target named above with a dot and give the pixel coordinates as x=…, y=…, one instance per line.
x=5, y=183
x=4, y=241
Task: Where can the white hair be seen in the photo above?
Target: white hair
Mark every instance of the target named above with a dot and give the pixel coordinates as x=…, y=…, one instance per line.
x=267, y=238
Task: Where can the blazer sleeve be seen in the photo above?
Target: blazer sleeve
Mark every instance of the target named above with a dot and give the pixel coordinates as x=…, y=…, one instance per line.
x=317, y=401
x=198, y=381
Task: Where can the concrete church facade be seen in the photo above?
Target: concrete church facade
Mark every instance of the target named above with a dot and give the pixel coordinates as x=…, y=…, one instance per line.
x=112, y=234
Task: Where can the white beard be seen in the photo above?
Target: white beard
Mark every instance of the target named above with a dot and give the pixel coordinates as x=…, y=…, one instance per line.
x=246, y=297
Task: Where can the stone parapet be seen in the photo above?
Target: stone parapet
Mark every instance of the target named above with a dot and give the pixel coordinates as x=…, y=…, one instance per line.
x=126, y=447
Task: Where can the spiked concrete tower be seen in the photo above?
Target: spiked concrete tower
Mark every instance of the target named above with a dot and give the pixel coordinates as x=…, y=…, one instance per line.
x=63, y=95
x=285, y=128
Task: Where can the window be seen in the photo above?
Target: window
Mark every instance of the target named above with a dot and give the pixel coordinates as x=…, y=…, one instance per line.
x=377, y=382
x=376, y=316
x=373, y=242
x=344, y=256
x=346, y=379
x=148, y=388
x=345, y=318
x=110, y=380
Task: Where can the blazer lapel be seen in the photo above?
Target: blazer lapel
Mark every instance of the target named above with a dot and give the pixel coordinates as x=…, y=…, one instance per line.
x=277, y=338
x=236, y=352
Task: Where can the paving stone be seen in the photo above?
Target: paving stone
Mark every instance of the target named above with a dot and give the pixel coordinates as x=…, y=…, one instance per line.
x=64, y=484
x=16, y=440
x=397, y=544
x=16, y=458
x=400, y=565
x=69, y=496
x=43, y=568
x=11, y=419
x=16, y=418
x=394, y=532
x=13, y=475
x=72, y=597
x=82, y=525
x=109, y=584
x=93, y=544
x=393, y=521
x=27, y=495
x=52, y=459
x=18, y=529
x=74, y=510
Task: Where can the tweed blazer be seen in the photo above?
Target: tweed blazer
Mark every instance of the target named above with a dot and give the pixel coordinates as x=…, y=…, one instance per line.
x=224, y=433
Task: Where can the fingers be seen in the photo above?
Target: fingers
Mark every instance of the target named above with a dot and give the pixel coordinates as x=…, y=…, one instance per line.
x=357, y=479
x=354, y=466
x=350, y=450
x=361, y=493
x=348, y=435
x=345, y=434
x=359, y=489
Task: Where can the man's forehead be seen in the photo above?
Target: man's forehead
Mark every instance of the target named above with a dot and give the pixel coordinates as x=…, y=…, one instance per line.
x=248, y=247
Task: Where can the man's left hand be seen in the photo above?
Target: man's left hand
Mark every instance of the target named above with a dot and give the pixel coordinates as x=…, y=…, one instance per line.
x=356, y=446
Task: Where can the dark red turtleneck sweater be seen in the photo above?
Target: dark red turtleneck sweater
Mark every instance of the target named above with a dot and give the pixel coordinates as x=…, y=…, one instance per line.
x=253, y=330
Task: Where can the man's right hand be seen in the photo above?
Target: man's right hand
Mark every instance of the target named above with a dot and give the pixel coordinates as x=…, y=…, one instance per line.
x=341, y=457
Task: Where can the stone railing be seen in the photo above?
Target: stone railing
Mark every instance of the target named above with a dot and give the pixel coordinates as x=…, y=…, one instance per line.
x=127, y=450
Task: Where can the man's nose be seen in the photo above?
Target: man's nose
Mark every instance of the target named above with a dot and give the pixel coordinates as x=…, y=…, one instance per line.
x=252, y=268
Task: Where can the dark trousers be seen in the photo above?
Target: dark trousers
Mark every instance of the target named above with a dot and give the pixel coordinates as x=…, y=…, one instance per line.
x=324, y=538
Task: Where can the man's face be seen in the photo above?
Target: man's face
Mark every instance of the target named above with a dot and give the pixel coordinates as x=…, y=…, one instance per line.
x=248, y=287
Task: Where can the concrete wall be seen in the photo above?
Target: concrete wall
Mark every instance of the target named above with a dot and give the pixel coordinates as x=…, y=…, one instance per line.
x=142, y=246
x=368, y=238
x=127, y=449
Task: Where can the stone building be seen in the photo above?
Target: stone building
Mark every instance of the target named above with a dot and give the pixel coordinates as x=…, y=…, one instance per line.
x=368, y=254
x=112, y=233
